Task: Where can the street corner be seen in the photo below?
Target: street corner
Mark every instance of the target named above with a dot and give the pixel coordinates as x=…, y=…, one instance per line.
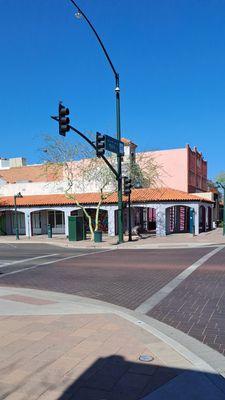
x=84, y=354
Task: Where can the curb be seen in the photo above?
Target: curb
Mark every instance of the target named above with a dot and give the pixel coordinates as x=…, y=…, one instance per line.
x=122, y=246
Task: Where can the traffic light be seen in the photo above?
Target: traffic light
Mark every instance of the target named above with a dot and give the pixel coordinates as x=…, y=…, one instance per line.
x=63, y=120
x=127, y=186
x=100, y=144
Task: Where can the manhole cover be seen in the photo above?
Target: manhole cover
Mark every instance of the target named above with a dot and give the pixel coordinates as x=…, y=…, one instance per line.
x=146, y=358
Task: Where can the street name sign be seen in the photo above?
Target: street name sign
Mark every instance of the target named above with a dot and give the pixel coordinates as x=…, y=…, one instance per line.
x=114, y=145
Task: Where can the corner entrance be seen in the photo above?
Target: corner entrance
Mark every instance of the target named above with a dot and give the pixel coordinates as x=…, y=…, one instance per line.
x=177, y=219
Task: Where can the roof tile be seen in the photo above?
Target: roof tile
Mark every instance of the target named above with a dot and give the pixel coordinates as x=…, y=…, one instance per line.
x=30, y=173
x=138, y=196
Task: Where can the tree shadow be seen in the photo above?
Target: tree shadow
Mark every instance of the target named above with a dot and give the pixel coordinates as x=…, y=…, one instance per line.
x=114, y=378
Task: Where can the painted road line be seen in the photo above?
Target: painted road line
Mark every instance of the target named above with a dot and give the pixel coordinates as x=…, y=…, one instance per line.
x=150, y=303
x=52, y=262
x=26, y=260
x=8, y=244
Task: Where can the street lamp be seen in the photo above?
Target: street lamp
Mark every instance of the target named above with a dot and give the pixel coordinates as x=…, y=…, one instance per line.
x=219, y=184
x=17, y=196
x=78, y=15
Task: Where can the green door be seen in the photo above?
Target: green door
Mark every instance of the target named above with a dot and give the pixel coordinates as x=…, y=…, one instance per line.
x=3, y=224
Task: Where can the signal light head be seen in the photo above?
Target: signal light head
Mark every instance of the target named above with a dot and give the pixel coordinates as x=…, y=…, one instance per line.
x=63, y=120
x=63, y=110
x=100, y=144
x=127, y=186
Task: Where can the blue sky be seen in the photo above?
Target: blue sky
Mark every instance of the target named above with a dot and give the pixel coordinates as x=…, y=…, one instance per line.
x=170, y=55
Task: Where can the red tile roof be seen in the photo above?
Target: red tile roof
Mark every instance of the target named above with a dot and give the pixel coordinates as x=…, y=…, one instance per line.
x=30, y=173
x=127, y=141
x=138, y=196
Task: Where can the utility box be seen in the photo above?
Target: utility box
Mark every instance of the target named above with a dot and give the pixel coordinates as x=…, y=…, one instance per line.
x=76, y=229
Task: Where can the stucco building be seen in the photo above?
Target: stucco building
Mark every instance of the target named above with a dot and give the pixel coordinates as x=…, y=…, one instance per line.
x=182, y=169
x=167, y=209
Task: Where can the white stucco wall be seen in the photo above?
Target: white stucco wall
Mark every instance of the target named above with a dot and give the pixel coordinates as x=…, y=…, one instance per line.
x=44, y=188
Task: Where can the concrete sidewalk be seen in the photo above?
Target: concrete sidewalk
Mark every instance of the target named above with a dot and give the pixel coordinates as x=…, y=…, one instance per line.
x=148, y=241
x=58, y=347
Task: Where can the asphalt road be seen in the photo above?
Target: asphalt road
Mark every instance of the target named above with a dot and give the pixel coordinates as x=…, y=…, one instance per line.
x=128, y=278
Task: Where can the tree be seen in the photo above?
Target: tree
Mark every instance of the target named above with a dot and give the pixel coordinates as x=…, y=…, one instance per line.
x=80, y=170
x=145, y=171
x=221, y=178
x=76, y=166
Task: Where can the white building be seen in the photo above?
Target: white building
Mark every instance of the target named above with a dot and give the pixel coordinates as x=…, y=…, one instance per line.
x=164, y=210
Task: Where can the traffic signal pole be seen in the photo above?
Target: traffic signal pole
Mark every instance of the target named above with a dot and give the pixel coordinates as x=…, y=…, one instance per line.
x=16, y=218
x=129, y=221
x=119, y=163
x=223, y=186
x=118, y=125
x=127, y=192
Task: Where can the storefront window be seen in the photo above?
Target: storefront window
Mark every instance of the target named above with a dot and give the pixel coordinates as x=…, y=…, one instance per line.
x=36, y=220
x=59, y=218
x=21, y=220
x=56, y=218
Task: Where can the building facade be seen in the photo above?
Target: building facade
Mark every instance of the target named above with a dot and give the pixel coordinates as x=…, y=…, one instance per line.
x=182, y=169
x=167, y=209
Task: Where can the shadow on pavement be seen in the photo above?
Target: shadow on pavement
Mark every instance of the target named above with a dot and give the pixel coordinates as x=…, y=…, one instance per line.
x=114, y=378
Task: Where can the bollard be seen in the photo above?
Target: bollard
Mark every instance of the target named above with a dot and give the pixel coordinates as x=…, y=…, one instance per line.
x=49, y=228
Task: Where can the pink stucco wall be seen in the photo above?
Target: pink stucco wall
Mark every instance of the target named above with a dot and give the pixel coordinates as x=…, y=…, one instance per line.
x=173, y=167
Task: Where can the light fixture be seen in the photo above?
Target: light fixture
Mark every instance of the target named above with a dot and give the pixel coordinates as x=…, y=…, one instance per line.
x=137, y=185
x=78, y=15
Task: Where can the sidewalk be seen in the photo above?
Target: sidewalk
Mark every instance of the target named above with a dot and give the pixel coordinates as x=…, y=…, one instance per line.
x=148, y=241
x=61, y=347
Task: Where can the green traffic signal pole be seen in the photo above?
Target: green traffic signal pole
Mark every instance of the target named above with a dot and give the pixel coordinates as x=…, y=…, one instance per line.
x=223, y=210
x=223, y=187
x=129, y=220
x=16, y=218
x=16, y=196
x=119, y=164
x=118, y=125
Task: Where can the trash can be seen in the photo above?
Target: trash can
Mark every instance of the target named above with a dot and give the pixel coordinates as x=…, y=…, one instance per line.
x=98, y=236
x=49, y=229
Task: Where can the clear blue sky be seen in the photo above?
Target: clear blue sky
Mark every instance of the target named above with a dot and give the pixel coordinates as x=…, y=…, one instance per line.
x=170, y=55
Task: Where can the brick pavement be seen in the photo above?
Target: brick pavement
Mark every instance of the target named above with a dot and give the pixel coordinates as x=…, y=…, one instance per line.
x=123, y=277
x=196, y=306
x=90, y=354
x=79, y=357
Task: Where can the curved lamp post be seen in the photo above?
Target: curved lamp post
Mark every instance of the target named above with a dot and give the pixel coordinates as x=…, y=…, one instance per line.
x=219, y=184
x=80, y=14
x=17, y=196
